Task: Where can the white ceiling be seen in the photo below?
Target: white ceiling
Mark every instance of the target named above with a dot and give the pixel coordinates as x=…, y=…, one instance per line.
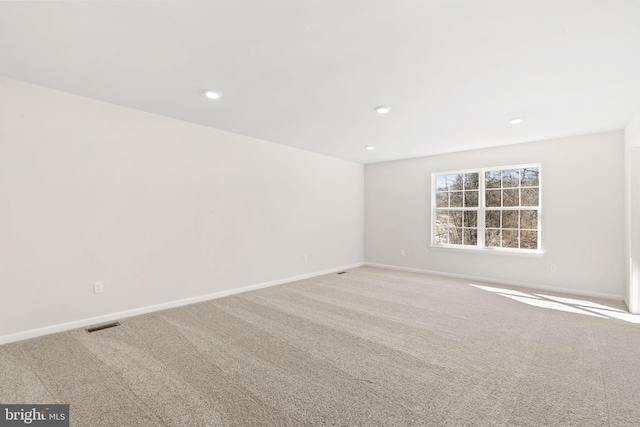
x=308, y=73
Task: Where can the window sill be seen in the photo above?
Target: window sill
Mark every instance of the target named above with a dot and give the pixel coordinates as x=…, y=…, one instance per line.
x=492, y=251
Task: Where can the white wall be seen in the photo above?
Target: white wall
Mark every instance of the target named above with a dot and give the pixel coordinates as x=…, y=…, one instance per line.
x=632, y=199
x=582, y=215
x=160, y=210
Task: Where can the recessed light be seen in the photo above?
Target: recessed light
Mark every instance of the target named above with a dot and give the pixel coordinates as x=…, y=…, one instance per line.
x=212, y=94
x=368, y=147
x=382, y=109
x=516, y=121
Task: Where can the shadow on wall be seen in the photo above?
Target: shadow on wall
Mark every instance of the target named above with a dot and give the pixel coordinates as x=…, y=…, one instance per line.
x=570, y=305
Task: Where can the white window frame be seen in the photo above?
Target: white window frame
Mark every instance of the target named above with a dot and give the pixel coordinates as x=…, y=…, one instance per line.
x=482, y=208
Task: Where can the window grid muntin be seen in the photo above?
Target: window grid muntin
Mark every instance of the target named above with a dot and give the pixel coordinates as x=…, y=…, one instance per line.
x=462, y=186
x=530, y=173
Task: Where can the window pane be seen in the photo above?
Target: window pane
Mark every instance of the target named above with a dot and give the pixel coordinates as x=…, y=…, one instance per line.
x=530, y=177
x=442, y=200
x=492, y=179
x=471, y=199
x=493, y=198
x=456, y=182
x=509, y=219
x=471, y=236
x=492, y=219
x=471, y=181
x=529, y=219
x=511, y=178
x=441, y=183
x=492, y=238
x=455, y=217
x=455, y=236
x=442, y=218
x=529, y=239
x=509, y=238
x=530, y=196
x=455, y=199
x=470, y=219
x=442, y=234
x=511, y=197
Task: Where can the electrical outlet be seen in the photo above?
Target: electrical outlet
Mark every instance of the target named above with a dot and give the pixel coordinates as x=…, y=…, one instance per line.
x=553, y=267
x=98, y=287
x=305, y=258
x=402, y=252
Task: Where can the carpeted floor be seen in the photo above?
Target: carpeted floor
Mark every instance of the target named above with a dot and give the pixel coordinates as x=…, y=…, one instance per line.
x=371, y=347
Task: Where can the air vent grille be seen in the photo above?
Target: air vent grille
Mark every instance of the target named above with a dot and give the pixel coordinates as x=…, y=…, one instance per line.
x=101, y=327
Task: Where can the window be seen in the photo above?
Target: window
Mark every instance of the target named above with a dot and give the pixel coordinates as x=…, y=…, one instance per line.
x=488, y=208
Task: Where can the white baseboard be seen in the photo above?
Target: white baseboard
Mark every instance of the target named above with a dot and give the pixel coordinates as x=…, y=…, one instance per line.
x=504, y=282
x=32, y=333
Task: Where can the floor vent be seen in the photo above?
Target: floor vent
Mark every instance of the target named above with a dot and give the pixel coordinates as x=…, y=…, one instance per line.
x=342, y=272
x=101, y=327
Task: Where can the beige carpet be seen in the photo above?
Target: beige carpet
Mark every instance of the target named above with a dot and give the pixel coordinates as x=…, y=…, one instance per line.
x=371, y=347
